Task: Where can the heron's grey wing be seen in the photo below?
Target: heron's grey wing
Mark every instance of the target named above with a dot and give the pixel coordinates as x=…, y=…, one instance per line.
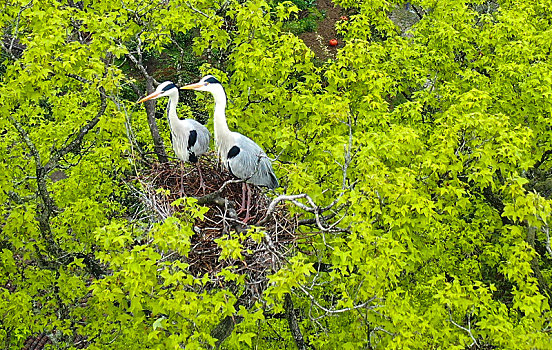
x=247, y=161
x=201, y=144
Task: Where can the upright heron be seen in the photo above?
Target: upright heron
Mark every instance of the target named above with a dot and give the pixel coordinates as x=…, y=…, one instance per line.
x=189, y=138
x=239, y=154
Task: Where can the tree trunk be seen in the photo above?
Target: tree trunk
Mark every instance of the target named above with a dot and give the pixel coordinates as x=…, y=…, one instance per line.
x=158, y=145
x=293, y=325
x=225, y=328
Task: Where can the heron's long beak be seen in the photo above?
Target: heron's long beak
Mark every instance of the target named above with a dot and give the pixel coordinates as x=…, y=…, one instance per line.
x=192, y=86
x=149, y=97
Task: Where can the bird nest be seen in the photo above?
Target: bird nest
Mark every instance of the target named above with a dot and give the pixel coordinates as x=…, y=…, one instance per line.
x=223, y=197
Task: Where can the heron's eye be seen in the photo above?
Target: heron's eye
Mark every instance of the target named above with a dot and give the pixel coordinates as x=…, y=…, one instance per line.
x=206, y=83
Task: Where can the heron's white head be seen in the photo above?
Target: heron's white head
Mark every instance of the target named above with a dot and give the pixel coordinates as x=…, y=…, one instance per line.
x=166, y=88
x=207, y=83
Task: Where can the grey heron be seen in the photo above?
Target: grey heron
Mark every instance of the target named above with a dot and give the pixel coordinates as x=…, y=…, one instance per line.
x=239, y=154
x=190, y=139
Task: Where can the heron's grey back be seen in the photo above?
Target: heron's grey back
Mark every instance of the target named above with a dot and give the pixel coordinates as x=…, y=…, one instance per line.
x=252, y=164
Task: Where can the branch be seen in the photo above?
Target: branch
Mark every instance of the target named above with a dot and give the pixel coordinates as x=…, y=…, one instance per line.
x=420, y=16
x=158, y=144
x=543, y=159
x=211, y=197
x=546, y=230
x=225, y=327
x=138, y=61
x=79, y=78
x=337, y=311
x=16, y=30
x=76, y=144
x=49, y=206
x=274, y=203
x=131, y=136
x=468, y=330
x=198, y=11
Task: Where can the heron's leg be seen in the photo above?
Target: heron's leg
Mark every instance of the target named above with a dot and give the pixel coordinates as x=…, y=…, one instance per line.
x=248, y=206
x=242, y=207
x=181, y=178
x=201, y=182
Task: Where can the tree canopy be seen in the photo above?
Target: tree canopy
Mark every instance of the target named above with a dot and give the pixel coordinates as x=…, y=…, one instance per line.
x=415, y=164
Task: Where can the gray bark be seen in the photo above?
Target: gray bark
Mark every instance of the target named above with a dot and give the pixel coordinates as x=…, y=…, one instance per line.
x=158, y=145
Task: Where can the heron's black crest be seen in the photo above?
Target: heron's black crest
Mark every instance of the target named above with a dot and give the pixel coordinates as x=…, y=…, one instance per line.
x=169, y=86
x=212, y=80
x=234, y=151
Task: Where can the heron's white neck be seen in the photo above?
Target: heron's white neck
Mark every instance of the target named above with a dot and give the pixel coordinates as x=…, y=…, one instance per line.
x=222, y=133
x=171, y=108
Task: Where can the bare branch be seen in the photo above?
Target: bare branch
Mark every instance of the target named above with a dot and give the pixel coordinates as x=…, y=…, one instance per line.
x=10, y=48
x=128, y=126
x=141, y=67
x=198, y=11
x=542, y=283
x=138, y=62
x=337, y=311
x=274, y=203
x=468, y=330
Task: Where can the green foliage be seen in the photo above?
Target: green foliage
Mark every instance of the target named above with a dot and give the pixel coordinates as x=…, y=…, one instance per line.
x=431, y=148
x=301, y=4
x=308, y=23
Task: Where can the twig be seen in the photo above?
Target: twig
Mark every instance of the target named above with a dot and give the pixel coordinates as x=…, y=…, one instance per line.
x=468, y=330
x=198, y=11
x=336, y=311
x=16, y=29
x=128, y=126
x=141, y=67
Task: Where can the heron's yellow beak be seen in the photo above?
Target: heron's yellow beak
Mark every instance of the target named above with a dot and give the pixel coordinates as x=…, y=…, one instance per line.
x=192, y=86
x=149, y=97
